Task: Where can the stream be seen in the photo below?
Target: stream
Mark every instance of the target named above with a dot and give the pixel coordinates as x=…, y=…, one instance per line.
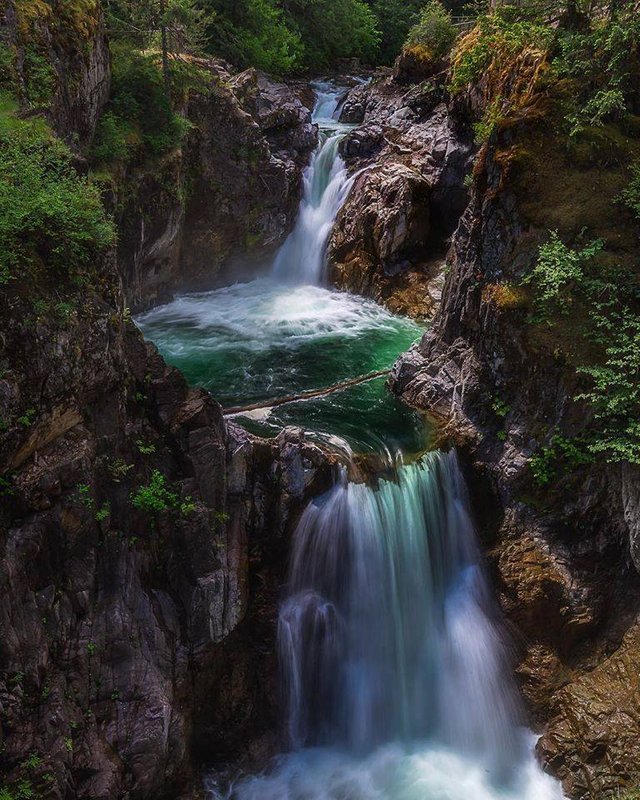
x=395, y=672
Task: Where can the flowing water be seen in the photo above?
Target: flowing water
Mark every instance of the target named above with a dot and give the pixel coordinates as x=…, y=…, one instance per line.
x=396, y=680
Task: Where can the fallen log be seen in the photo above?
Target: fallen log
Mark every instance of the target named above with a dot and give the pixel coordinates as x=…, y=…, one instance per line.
x=309, y=394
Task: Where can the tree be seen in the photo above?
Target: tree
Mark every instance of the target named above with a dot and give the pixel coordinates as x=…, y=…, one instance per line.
x=179, y=25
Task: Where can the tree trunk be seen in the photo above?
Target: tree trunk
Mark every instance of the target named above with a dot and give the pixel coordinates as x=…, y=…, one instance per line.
x=165, y=50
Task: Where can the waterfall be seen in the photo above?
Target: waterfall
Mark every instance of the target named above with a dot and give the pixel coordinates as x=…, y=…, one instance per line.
x=386, y=633
x=395, y=675
x=326, y=184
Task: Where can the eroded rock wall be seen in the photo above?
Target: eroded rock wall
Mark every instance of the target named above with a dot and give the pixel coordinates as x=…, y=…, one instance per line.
x=216, y=210
x=410, y=160
x=563, y=556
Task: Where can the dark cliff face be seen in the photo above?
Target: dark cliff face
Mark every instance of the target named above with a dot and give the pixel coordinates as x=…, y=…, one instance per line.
x=62, y=63
x=143, y=538
x=563, y=556
x=133, y=639
x=216, y=210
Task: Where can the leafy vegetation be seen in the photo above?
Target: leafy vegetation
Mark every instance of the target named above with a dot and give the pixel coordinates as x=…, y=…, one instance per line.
x=49, y=214
x=139, y=120
x=558, y=270
x=155, y=497
x=630, y=195
x=561, y=455
x=562, y=276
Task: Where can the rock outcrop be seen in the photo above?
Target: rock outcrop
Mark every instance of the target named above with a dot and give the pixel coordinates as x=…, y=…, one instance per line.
x=389, y=239
x=221, y=205
x=563, y=556
x=61, y=62
x=143, y=542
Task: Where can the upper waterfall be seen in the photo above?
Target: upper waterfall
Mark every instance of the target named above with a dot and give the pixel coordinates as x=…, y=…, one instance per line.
x=302, y=257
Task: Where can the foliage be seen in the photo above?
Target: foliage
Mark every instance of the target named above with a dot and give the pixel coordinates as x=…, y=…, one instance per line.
x=560, y=455
x=613, y=328
x=630, y=195
x=139, y=22
x=155, y=497
x=139, y=120
x=557, y=271
x=49, y=214
x=39, y=77
x=599, y=58
x=284, y=36
x=395, y=18
x=615, y=389
x=434, y=31
x=498, y=37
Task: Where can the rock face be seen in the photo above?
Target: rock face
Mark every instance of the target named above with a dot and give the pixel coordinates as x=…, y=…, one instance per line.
x=143, y=538
x=75, y=47
x=223, y=204
x=563, y=558
x=136, y=622
x=389, y=238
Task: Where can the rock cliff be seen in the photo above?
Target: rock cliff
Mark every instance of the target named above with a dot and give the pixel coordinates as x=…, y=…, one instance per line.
x=143, y=538
x=217, y=208
x=410, y=160
x=563, y=556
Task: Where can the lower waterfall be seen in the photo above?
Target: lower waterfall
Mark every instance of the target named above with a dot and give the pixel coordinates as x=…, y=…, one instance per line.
x=394, y=670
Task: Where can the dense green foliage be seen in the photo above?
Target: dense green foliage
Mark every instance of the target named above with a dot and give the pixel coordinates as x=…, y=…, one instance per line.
x=139, y=119
x=278, y=36
x=49, y=214
x=434, y=31
x=559, y=269
x=292, y=34
x=563, y=276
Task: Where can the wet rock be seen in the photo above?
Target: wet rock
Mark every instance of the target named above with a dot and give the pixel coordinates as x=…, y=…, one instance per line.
x=407, y=197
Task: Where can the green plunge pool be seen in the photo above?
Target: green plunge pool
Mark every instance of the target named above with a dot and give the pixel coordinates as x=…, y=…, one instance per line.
x=255, y=342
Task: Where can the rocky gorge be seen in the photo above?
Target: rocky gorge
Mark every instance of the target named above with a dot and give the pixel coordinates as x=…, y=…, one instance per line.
x=145, y=536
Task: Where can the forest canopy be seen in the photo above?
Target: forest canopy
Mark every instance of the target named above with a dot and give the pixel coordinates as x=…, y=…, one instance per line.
x=278, y=36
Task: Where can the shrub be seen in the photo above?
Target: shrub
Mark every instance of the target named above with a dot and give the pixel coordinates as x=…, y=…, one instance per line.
x=154, y=497
x=558, y=269
x=434, y=31
x=139, y=120
x=630, y=196
x=49, y=215
x=561, y=455
x=615, y=389
x=497, y=39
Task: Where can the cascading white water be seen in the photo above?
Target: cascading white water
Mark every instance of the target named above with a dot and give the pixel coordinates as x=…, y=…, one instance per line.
x=395, y=674
x=326, y=184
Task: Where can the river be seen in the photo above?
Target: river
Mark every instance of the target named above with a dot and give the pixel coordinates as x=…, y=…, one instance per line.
x=395, y=670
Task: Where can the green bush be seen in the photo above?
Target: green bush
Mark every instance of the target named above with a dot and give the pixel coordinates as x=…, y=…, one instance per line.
x=434, y=31
x=630, y=196
x=139, y=120
x=615, y=385
x=496, y=36
x=560, y=456
x=557, y=271
x=600, y=60
x=156, y=497
x=39, y=77
x=49, y=215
